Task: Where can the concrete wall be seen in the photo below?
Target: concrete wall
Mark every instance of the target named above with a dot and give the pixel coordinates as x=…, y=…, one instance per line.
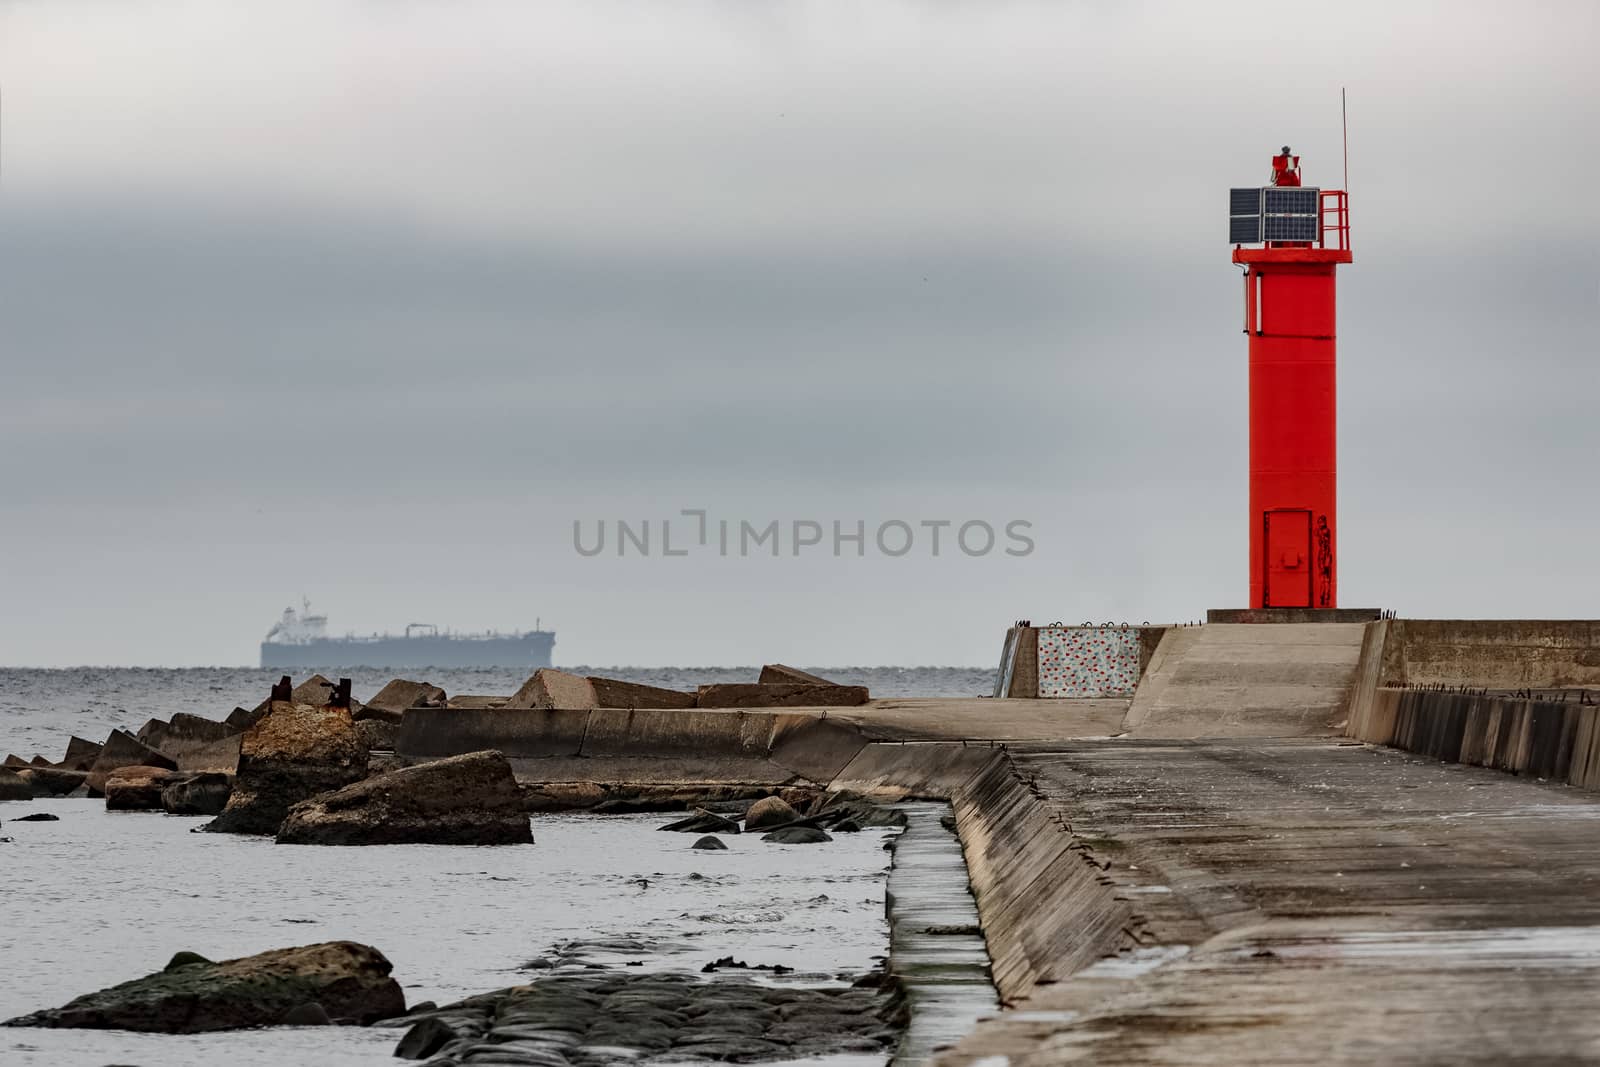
x=1045, y=908
x=641, y=745
x=1493, y=653
x=1544, y=739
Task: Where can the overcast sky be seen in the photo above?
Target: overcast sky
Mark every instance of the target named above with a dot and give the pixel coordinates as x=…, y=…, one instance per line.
x=369, y=302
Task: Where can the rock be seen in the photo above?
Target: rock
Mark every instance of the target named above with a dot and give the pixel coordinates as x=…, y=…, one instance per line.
x=710, y=843
x=121, y=750
x=13, y=786
x=308, y=1014
x=13, y=761
x=80, y=755
x=344, y=979
x=424, y=1039
x=611, y=693
x=200, y=794
x=38, y=816
x=185, y=959
x=378, y=733
x=294, y=753
x=797, y=835
x=703, y=822
x=464, y=800
x=784, y=695
x=769, y=811
x=138, y=788
x=780, y=674
x=52, y=781
x=550, y=688
x=846, y=826
x=38, y=761
x=392, y=700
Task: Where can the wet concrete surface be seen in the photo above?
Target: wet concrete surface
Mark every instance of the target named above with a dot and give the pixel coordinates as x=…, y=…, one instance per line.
x=937, y=950
x=1312, y=901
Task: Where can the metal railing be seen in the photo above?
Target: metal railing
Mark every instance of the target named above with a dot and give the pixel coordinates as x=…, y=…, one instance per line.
x=1334, y=229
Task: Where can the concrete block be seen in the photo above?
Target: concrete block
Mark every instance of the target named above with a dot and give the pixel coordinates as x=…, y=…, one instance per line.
x=390, y=702
x=475, y=701
x=550, y=688
x=787, y=695
x=780, y=674
x=80, y=755
x=612, y=693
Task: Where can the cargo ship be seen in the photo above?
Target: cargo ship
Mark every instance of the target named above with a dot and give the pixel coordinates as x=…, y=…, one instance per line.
x=300, y=639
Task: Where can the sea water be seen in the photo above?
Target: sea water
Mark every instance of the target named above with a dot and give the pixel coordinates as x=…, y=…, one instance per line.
x=101, y=897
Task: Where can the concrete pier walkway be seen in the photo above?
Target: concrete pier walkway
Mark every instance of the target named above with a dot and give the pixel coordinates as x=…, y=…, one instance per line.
x=1316, y=902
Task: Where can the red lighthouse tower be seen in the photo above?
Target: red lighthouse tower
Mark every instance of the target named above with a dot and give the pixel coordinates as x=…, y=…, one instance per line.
x=1290, y=240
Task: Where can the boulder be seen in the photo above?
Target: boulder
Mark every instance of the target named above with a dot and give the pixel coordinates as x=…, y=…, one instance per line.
x=51, y=781
x=713, y=844
x=393, y=699
x=347, y=980
x=38, y=761
x=122, y=749
x=769, y=811
x=797, y=835
x=200, y=794
x=424, y=1039
x=38, y=816
x=138, y=788
x=781, y=674
x=611, y=693
x=550, y=688
x=14, y=761
x=784, y=695
x=295, y=752
x=80, y=755
x=464, y=800
x=13, y=786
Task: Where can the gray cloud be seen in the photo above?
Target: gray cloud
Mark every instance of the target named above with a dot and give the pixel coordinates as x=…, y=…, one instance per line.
x=371, y=301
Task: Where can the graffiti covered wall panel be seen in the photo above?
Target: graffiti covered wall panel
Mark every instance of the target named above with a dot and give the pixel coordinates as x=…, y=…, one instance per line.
x=1081, y=661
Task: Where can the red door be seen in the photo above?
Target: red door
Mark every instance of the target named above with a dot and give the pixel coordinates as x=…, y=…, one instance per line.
x=1286, y=581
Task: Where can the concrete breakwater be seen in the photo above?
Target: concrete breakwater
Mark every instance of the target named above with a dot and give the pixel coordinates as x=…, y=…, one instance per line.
x=1044, y=906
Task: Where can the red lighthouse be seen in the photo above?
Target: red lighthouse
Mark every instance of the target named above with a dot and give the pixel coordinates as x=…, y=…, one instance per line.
x=1290, y=240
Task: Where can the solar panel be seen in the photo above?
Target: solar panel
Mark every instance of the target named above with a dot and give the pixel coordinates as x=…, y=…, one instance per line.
x=1281, y=200
x=1244, y=201
x=1289, y=228
x=1244, y=229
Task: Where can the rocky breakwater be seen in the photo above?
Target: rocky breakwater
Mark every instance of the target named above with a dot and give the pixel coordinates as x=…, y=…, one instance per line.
x=464, y=800
x=335, y=981
x=590, y=1019
x=293, y=753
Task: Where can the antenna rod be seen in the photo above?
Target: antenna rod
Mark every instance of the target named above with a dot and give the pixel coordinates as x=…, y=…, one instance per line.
x=1344, y=125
